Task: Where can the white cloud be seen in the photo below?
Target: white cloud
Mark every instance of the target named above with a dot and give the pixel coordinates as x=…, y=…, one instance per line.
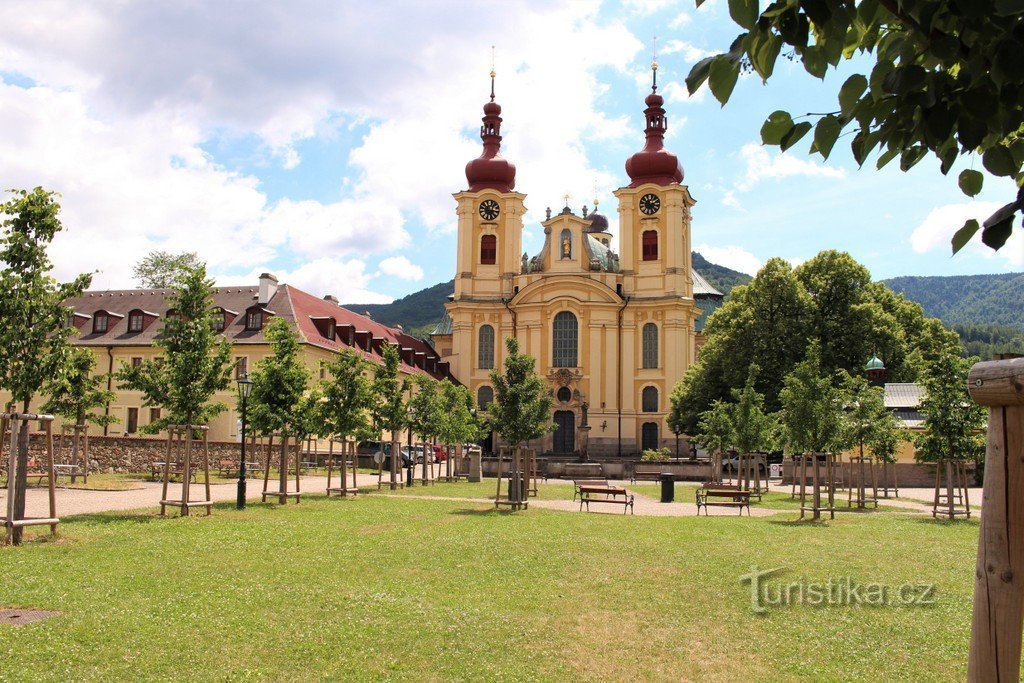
x=401, y=267
x=347, y=280
x=762, y=165
x=688, y=51
x=730, y=256
x=936, y=231
x=729, y=199
x=676, y=93
x=681, y=20
x=646, y=7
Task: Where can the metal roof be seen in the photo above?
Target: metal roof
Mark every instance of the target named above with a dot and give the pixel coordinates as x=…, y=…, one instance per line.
x=903, y=395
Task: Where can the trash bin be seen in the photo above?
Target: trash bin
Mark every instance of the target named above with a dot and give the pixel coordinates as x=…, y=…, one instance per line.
x=668, y=486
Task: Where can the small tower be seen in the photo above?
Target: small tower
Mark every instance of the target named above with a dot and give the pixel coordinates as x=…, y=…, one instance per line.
x=875, y=371
x=598, y=228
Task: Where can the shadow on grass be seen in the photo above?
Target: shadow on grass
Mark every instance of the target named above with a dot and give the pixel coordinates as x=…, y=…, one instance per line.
x=807, y=521
x=482, y=512
x=114, y=517
x=945, y=521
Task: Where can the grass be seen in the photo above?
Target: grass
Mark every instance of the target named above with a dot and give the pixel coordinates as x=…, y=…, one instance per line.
x=387, y=586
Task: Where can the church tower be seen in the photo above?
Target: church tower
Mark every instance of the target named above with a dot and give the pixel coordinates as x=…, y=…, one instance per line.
x=490, y=238
x=490, y=234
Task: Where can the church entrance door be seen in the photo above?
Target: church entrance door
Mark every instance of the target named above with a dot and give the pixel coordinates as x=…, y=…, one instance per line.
x=565, y=431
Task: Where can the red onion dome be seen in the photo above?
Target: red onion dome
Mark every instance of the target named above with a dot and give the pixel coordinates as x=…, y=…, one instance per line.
x=654, y=163
x=490, y=171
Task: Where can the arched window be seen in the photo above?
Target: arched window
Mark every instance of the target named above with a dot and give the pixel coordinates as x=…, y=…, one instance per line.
x=135, y=321
x=488, y=249
x=650, y=245
x=649, y=401
x=485, y=348
x=650, y=344
x=484, y=397
x=649, y=436
x=565, y=340
x=100, y=322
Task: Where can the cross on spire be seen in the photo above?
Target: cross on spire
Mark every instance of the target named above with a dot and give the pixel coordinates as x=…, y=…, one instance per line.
x=493, y=73
x=654, y=64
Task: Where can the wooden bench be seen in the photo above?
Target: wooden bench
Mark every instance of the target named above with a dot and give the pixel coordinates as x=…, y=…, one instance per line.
x=606, y=493
x=156, y=470
x=722, y=496
x=645, y=474
x=577, y=483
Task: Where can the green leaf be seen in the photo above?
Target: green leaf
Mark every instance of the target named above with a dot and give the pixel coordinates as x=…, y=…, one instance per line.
x=744, y=12
x=885, y=158
x=998, y=161
x=722, y=77
x=764, y=52
x=825, y=134
x=970, y=182
x=995, y=235
x=964, y=235
x=904, y=79
x=814, y=62
x=851, y=91
x=794, y=135
x=698, y=74
x=775, y=127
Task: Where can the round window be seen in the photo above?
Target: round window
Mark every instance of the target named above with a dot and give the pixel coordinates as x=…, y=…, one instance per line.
x=564, y=395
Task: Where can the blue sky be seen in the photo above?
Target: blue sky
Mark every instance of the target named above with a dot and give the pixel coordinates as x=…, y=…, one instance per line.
x=322, y=141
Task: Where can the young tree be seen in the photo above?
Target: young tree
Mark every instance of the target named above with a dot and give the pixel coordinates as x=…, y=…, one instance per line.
x=389, y=407
x=754, y=429
x=953, y=424
x=945, y=80
x=76, y=393
x=521, y=410
x=813, y=407
x=196, y=362
x=34, y=331
x=715, y=434
x=459, y=423
x=867, y=423
x=425, y=413
x=344, y=411
x=160, y=269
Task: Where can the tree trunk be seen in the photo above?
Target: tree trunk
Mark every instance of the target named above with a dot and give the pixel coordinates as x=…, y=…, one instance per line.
x=21, y=481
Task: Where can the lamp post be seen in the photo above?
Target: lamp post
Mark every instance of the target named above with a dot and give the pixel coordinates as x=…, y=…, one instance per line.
x=244, y=389
x=677, y=430
x=411, y=471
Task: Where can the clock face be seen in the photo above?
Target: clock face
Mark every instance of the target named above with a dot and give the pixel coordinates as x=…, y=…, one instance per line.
x=489, y=209
x=650, y=204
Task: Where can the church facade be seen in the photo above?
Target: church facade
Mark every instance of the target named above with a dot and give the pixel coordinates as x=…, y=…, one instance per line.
x=612, y=332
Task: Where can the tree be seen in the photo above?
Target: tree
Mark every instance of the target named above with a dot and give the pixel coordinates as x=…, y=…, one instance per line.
x=953, y=424
x=831, y=300
x=279, y=384
x=344, y=411
x=76, y=392
x=948, y=79
x=196, y=362
x=521, y=409
x=389, y=408
x=715, y=434
x=754, y=429
x=425, y=414
x=867, y=423
x=812, y=406
x=34, y=335
x=160, y=269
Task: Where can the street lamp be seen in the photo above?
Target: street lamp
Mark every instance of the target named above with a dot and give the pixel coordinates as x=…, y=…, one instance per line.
x=678, y=429
x=411, y=471
x=244, y=389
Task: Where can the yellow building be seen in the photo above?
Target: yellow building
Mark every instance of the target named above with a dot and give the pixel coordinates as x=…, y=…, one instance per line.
x=120, y=327
x=612, y=333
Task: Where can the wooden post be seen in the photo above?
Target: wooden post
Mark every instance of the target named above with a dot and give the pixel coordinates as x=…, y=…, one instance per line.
x=12, y=476
x=51, y=472
x=999, y=573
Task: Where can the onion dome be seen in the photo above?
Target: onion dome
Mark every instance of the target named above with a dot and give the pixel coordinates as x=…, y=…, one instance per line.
x=654, y=163
x=598, y=222
x=875, y=364
x=490, y=171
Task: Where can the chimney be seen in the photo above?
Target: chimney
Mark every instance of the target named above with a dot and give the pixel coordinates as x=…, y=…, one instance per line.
x=331, y=298
x=268, y=287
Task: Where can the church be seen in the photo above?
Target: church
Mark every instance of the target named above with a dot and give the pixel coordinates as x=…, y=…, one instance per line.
x=612, y=332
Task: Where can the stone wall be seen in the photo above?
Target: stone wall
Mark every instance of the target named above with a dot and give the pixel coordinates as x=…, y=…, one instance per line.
x=121, y=453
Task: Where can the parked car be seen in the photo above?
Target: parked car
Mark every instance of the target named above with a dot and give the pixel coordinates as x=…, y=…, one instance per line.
x=384, y=455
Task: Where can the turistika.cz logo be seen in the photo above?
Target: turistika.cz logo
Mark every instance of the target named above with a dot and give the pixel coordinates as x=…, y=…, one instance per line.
x=843, y=591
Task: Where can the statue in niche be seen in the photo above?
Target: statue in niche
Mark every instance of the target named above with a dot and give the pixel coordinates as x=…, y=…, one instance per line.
x=566, y=245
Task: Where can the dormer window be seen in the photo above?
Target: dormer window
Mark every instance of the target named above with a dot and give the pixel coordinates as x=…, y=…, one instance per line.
x=218, y=320
x=254, y=319
x=331, y=330
x=136, y=319
x=100, y=322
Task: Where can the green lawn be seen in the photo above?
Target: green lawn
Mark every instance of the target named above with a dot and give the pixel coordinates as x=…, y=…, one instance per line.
x=385, y=586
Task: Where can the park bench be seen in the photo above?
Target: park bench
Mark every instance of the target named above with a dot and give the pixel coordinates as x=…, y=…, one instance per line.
x=722, y=496
x=156, y=469
x=600, y=491
x=645, y=474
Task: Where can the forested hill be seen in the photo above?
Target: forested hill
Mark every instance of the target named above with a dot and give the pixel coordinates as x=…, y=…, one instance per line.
x=418, y=312
x=967, y=299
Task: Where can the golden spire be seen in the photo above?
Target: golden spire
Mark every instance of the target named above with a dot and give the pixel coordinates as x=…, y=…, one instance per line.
x=654, y=64
x=493, y=73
